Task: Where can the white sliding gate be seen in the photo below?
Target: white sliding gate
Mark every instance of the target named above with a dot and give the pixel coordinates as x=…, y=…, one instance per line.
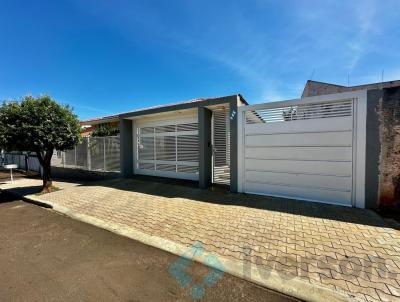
x=304, y=149
x=167, y=148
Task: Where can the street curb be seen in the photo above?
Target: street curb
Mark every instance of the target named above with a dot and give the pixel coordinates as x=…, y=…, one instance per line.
x=28, y=200
x=294, y=287
x=36, y=202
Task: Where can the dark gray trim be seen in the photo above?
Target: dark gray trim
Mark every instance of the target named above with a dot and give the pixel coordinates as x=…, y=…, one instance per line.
x=233, y=113
x=373, y=147
x=182, y=106
x=126, y=147
x=205, y=153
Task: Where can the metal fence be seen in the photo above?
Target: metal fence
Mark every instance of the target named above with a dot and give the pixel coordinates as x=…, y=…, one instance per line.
x=24, y=160
x=93, y=154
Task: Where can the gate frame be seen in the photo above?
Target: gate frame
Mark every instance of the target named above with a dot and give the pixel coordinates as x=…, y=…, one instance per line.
x=228, y=131
x=359, y=136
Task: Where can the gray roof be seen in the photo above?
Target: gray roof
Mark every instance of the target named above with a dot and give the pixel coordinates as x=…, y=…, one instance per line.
x=193, y=103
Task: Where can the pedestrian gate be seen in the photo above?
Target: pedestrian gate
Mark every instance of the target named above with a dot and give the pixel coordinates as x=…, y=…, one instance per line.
x=221, y=147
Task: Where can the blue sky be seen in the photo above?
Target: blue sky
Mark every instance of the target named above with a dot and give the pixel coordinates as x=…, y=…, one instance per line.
x=104, y=57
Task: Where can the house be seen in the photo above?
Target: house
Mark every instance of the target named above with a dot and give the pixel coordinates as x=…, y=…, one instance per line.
x=88, y=126
x=315, y=88
x=336, y=144
x=194, y=140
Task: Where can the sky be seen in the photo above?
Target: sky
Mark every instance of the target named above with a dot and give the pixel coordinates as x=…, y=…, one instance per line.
x=104, y=57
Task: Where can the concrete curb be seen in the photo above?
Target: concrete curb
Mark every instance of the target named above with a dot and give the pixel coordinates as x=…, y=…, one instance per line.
x=28, y=199
x=294, y=286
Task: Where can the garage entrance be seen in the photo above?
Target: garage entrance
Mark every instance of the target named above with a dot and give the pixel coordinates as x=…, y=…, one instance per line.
x=167, y=148
x=300, y=150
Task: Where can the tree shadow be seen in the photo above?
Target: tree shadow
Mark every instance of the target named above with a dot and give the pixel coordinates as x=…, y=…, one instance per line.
x=18, y=193
x=220, y=195
x=7, y=197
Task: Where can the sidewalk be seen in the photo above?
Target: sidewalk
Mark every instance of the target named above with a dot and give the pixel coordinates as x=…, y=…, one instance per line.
x=45, y=256
x=307, y=250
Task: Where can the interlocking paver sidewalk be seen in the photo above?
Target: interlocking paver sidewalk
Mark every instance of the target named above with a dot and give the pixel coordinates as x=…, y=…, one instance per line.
x=346, y=249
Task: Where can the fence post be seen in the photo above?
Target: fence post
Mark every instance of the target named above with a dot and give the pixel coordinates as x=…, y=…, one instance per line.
x=26, y=162
x=89, y=159
x=75, y=156
x=104, y=154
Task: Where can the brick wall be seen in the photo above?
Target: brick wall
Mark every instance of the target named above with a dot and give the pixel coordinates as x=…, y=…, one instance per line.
x=313, y=88
x=316, y=88
x=388, y=112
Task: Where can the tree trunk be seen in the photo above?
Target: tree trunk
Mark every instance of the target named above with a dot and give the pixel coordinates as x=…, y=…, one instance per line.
x=47, y=182
x=45, y=161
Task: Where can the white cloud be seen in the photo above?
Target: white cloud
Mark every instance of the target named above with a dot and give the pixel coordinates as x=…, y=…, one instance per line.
x=365, y=21
x=273, y=58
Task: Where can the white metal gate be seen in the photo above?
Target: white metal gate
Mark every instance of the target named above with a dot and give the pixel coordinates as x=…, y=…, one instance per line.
x=167, y=148
x=299, y=150
x=221, y=147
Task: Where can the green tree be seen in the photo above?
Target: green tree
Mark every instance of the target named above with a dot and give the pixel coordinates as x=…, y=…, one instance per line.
x=38, y=125
x=105, y=130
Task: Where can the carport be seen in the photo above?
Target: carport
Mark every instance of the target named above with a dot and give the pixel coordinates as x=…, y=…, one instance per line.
x=194, y=140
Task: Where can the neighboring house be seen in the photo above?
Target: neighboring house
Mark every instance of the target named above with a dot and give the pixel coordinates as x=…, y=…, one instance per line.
x=88, y=126
x=315, y=88
x=383, y=139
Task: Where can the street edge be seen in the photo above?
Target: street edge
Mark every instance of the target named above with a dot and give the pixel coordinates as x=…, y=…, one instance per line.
x=294, y=287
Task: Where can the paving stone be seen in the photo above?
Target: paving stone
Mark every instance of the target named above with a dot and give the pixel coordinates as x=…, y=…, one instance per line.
x=345, y=249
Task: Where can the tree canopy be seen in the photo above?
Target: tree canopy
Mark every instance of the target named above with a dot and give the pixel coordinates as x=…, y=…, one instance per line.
x=105, y=130
x=38, y=125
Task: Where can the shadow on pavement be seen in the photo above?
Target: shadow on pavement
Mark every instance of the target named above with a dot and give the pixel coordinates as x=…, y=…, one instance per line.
x=170, y=188
x=7, y=197
x=174, y=188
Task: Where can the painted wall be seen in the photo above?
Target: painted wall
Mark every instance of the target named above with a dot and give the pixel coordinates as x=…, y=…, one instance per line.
x=205, y=153
x=126, y=147
x=373, y=147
